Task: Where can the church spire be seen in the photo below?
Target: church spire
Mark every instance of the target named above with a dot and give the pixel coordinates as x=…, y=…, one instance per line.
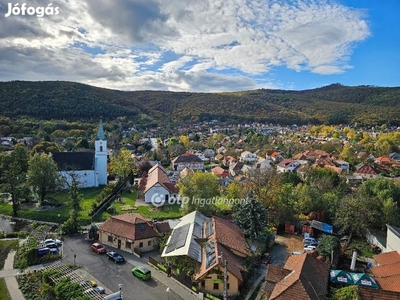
x=100, y=132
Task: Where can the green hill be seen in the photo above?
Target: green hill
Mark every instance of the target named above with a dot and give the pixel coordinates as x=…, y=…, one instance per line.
x=74, y=101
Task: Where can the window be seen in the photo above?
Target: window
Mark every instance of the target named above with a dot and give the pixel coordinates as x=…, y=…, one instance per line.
x=149, y=243
x=141, y=245
x=227, y=286
x=216, y=286
x=110, y=239
x=203, y=284
x=101, y=148
x=128, y=245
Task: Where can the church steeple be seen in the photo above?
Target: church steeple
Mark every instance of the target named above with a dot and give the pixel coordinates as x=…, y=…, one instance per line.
x=100, y=132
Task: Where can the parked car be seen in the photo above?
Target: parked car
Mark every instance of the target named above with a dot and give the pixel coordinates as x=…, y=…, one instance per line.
x=55, y=241
x=99, y=248
x=309, y=240
x=310, y=248
x=266, y=258
x=51, y=245
x=89, y=283
x=115, y=256
x=311, y=244
x=45, y=251
x=141, y=272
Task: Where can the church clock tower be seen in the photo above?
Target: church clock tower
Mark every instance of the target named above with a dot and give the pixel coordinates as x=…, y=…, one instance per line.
x=101, y=155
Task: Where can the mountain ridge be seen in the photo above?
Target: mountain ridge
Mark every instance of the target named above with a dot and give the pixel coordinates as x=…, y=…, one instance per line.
x=330, y=104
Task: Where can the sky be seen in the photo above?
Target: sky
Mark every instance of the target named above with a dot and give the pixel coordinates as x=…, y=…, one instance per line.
x=201, y=45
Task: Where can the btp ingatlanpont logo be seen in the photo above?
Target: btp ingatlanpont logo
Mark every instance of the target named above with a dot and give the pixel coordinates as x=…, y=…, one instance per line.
x=24, y=10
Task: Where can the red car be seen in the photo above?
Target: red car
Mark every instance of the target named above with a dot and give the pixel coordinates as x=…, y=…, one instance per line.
x=99, y=248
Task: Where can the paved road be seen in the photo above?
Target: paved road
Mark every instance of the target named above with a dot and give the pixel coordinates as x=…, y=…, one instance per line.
x=110, y=274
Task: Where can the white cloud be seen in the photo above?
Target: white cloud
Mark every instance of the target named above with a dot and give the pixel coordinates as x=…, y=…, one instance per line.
x=179, y=44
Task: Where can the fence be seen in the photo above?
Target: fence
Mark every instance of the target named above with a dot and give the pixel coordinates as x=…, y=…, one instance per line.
x=111, y=197
x=373, y=240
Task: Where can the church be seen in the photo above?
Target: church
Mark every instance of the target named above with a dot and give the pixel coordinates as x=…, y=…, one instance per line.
x=89, y=168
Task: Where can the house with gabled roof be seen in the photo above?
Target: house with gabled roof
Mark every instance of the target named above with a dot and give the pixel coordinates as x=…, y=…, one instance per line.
x=187, y=160
x=387, y=273
x=303, y=277
x=129, y=231
x=213, y=243
x=366, y=172
x=248, y=157
x=158, y=189
x=287, y=165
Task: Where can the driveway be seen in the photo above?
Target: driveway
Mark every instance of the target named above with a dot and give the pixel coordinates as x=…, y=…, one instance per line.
x=284, y=246
x=110, y=274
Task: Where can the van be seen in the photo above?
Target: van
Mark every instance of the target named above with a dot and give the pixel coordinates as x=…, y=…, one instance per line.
x=114, y=296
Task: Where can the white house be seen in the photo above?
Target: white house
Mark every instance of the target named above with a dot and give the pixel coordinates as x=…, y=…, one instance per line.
x=158, y=189
x=287, y=165
x=89, y=168
x=248, y=157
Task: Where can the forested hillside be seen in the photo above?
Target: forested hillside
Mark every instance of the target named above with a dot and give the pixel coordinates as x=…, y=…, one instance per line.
x=331, y=104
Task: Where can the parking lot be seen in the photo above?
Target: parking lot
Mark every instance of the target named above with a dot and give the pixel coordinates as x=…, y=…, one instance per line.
x=110, y=274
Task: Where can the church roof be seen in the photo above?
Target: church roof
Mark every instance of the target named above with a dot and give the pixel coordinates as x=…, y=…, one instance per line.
x=100, y=132
x=74, y=161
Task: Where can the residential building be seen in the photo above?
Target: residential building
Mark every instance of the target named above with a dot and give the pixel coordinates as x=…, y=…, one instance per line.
x=157, y=188
x=303, y=277
x=387, y=273
x=287, y=165
x=248, y=157
x=366, y=172
x=187, y=160
x=224, y=246
x=129, y=231
x=393, y=238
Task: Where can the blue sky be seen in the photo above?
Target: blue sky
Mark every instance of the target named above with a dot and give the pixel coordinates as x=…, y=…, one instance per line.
x=204, y=45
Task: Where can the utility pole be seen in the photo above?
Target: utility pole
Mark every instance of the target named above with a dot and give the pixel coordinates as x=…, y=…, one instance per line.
x=225, y=263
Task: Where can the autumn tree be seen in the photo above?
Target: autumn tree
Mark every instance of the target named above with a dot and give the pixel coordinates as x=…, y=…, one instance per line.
x=72, y=225
x=42, y=174
x=122, y=164
x=199, y=190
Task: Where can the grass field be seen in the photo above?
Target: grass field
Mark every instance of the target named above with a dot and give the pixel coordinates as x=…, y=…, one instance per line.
x=5, y=247
x=60, y=213
x=4, y=294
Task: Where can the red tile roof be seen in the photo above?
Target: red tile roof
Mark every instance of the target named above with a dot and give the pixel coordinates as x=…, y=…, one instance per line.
x=308, y=279
x=374, y=294
x=387, y=258
x=390, y=283
x=384, y=160
x=386, y=270
x=276, y=273
x=131, y=226
x=158, y=174
x=230, y=235
x=366, y=170
x=220, y=171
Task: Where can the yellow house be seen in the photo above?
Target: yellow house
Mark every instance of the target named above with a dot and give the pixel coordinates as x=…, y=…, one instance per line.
x=217, y=245
x=129, y=231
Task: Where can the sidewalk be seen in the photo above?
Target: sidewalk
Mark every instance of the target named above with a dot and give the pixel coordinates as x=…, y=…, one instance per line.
x=9, y=276
x=262, y=270
x=172, y=284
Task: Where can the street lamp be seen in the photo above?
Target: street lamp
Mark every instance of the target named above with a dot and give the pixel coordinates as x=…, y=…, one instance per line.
x=120, y=293
x=59, y=225
x=168, y=290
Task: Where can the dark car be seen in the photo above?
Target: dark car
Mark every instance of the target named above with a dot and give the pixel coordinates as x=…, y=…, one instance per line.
x=99, y=248
x=45, y=251
x=266, y=258
x=115, y=256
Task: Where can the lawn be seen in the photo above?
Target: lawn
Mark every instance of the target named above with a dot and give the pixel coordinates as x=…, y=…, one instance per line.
x=4, y=294
x=5, y=247
x=127, y=205
x=57, y=214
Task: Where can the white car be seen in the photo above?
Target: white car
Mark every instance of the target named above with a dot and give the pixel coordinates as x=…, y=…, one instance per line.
x=51, y=241
x=309, y=248
x=310, y=240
